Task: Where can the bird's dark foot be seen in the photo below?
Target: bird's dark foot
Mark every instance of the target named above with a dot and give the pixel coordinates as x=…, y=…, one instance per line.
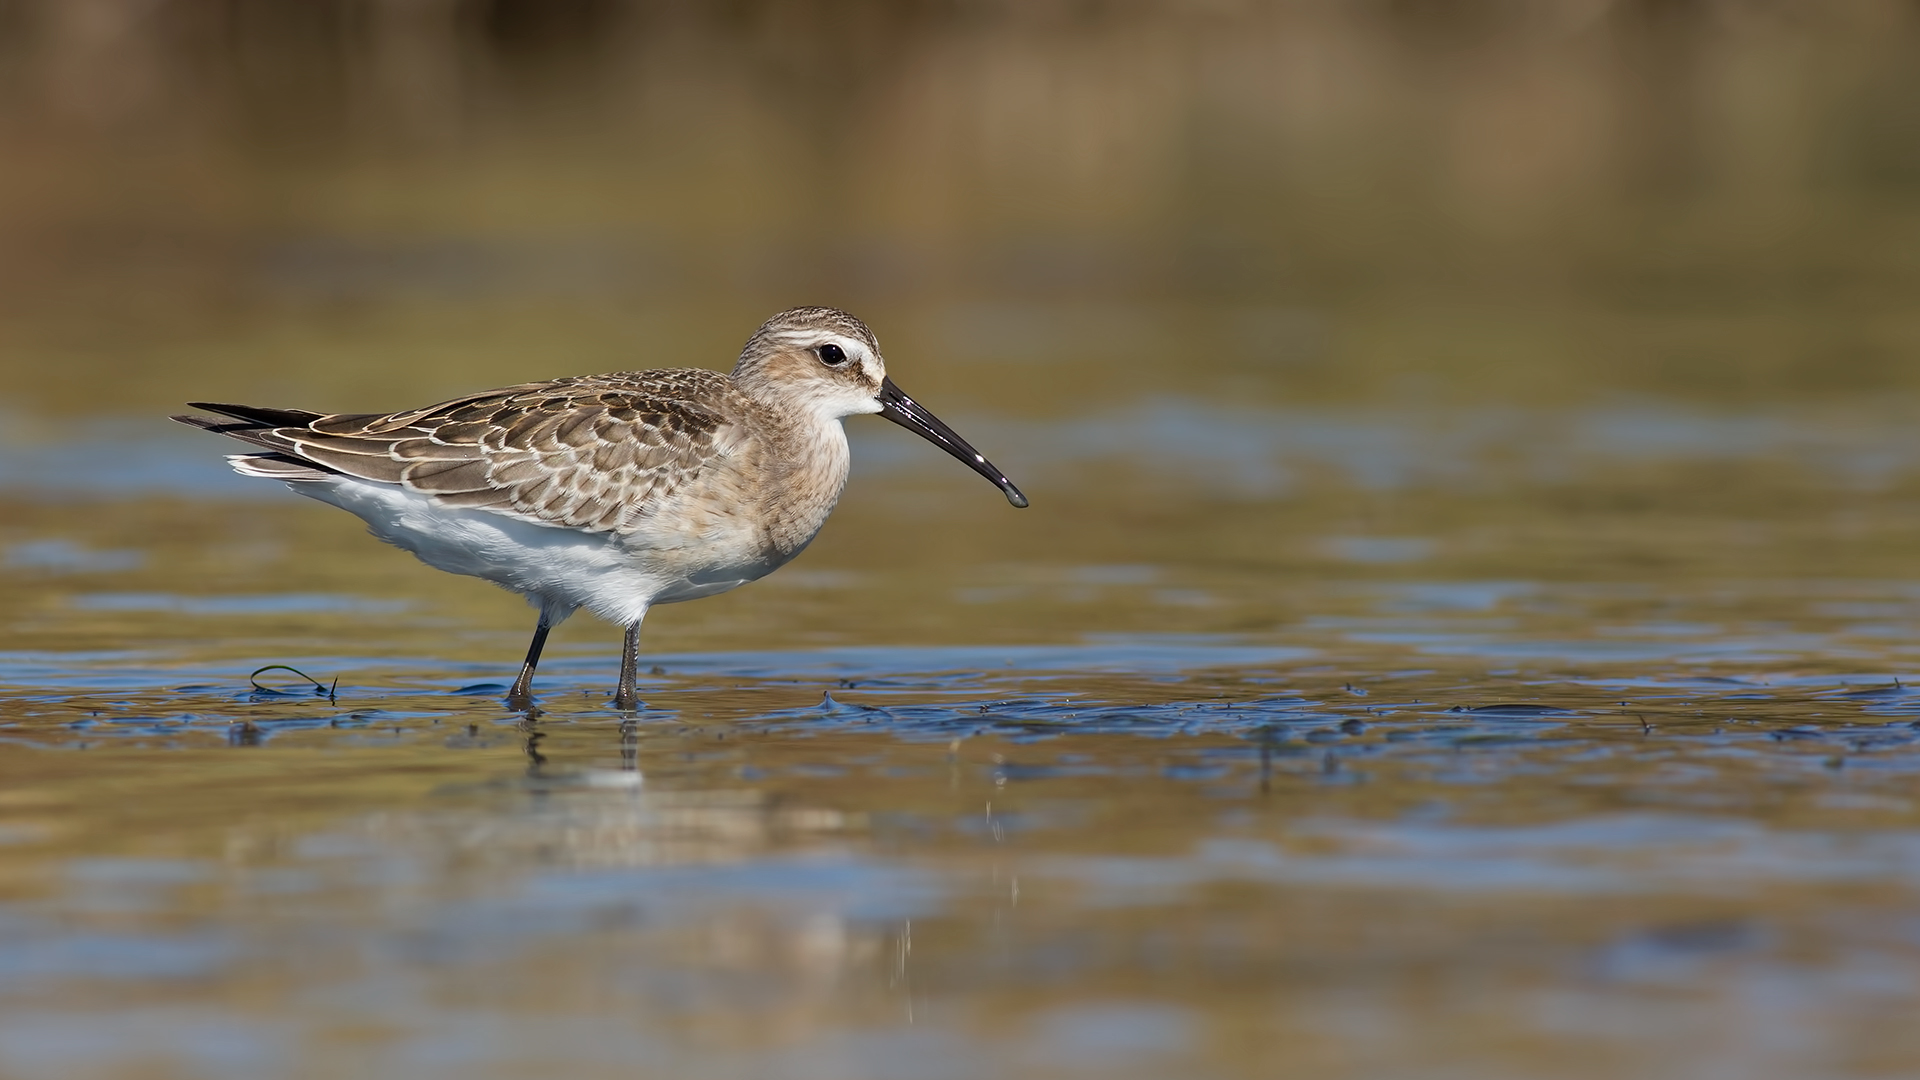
x=627, y=697
x=520, y=699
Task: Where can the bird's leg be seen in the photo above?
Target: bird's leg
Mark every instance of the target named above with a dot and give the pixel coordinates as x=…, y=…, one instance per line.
x=521, y=695
x=627, y=698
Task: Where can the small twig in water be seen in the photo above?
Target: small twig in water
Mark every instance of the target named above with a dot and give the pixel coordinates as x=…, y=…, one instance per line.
x=320, y=689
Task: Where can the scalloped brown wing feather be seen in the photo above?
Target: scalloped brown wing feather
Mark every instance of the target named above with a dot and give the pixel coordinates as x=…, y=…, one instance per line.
x=587, y=453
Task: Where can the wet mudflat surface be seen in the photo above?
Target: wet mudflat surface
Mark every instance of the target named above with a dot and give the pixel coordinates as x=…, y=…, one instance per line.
x=1341, y=805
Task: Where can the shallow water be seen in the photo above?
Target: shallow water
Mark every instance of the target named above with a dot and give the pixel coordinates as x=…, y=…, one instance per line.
x=1467, y=625
x=1533, y=778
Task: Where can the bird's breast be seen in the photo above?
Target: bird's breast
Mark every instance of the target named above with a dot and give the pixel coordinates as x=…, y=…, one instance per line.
x=811, y=474
x=744, y=518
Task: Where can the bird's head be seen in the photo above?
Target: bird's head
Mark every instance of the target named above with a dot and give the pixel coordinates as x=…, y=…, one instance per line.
x=826, y=362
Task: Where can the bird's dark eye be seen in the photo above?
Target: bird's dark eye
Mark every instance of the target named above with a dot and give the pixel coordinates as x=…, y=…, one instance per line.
x=832, y=355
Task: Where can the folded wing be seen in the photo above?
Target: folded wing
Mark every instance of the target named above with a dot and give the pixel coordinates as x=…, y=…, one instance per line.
x=592, y=453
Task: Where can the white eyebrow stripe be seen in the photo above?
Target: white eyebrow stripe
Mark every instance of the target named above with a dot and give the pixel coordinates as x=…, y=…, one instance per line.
x=816, y=338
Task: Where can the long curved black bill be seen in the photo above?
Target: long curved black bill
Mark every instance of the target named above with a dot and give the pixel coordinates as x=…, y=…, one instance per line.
x=903, y=410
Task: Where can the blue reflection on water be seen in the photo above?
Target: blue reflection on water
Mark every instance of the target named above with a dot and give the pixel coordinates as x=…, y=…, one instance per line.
x=1212, y=446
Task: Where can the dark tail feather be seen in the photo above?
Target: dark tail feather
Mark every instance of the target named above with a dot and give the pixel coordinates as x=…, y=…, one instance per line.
x=256, y=414
x=209, y=423
x=256, y=426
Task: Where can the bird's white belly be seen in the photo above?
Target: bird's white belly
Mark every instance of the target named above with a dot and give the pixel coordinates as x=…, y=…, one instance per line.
x=558, y=569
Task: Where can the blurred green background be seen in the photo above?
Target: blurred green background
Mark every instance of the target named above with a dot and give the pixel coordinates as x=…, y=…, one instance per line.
x=1040, y=205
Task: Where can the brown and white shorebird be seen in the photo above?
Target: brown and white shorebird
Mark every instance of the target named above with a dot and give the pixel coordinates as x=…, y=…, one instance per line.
x=607, y=492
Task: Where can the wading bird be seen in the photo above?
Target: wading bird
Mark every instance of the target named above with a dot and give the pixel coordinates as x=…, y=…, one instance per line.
x=607, y=492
